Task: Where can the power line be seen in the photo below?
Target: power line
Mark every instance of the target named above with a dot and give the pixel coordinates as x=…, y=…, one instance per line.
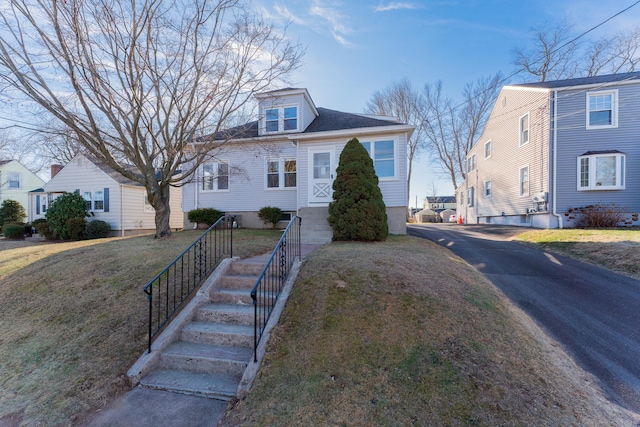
x=504, y=80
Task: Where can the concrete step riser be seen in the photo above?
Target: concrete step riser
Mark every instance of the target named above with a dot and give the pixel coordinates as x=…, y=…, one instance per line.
x=211, y=386
x=203, y=365
x=231, y=298
x=217, y=338
x=246, y=269
x=225, y=317
x=238, y=282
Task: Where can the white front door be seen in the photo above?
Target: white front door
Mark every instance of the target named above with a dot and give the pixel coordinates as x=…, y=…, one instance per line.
x=321, y=174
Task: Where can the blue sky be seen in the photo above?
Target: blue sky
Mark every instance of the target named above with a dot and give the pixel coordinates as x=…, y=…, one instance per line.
x=354, y=47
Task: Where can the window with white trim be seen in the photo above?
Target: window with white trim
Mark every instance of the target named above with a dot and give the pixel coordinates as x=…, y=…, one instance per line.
x=281, y=173
x=98, y=200
x=14, y=180
x=601, y=171
x=471, y=163
x=524, y=181
x=602, y=109
x=487, y=149
x=281, y=119
x=215, y=176
x=383, y=154
x=524, y=129
x=470, y=196
x=487, y=189
x=88, y=198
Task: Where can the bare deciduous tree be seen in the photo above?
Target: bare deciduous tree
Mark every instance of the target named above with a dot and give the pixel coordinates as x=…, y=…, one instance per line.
x=402, y=100
x=553, y=54
x=451, y=130
x=556, y=54
x=138, y=80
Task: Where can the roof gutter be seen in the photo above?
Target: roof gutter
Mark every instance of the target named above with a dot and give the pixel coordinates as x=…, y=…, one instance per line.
x=555, y=157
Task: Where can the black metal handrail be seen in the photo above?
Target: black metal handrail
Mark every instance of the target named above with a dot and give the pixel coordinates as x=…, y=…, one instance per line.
x=269, y=285
x=174, y=285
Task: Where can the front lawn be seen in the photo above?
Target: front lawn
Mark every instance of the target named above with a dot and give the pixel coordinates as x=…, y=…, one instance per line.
x=73, y=318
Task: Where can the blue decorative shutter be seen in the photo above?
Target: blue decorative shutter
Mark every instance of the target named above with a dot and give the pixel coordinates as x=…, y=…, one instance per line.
x=77, y=191
x=106, y=200
x=37, y=205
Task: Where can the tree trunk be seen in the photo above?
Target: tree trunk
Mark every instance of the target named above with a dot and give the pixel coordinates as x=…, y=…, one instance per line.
x=163, y=213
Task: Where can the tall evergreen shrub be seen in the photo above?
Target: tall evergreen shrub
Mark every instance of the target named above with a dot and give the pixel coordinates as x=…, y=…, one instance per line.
x=357, y=211
x=65, y=207
x=11, y=211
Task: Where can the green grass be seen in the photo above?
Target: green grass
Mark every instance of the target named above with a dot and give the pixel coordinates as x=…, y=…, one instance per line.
x=617, y=250
x=402, y=333
x=73, y=318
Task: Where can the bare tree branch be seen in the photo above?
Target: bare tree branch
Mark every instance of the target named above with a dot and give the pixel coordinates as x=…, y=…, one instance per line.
x=136, y=81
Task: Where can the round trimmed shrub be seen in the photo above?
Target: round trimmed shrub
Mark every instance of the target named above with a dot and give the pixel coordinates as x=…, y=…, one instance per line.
x=357, y=211
x=270, y=215
x=97, y=229
x=76, y=228
x=13, y=231
x=207, y=216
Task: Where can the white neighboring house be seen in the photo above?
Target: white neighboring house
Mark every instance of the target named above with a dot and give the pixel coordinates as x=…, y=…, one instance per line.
x=16, y=181
x=288, y=159
x=110, y=197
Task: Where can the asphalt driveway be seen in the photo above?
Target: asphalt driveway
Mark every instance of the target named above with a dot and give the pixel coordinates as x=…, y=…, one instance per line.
x=593, y=312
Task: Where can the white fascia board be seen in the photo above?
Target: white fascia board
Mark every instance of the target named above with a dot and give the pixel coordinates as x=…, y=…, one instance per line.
x=354, y=132
x=528, y=89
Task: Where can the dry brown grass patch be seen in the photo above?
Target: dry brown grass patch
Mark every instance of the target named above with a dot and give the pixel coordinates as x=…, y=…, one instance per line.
x=73, y=319
x=395, y=333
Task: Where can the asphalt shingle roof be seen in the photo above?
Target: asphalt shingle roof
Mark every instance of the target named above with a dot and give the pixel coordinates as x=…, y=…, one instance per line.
x=609, y=78
x=327, y=120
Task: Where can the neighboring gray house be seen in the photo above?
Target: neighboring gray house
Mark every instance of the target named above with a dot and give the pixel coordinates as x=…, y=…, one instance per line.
x=288, y=158
x=551, y=146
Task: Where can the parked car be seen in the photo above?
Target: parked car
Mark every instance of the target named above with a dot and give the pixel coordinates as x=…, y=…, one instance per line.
x=453, y=218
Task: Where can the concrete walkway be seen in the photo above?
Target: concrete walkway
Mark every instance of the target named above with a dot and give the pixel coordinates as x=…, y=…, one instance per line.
x=143, y=407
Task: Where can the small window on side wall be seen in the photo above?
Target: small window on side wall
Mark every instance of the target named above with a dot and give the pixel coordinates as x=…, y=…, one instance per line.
x=524, y=129
x=487, y=149
x=524, y=181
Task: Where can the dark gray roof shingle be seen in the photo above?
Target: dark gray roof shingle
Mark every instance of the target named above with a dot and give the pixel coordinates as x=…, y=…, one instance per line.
x=609, y=78
x=327, y=120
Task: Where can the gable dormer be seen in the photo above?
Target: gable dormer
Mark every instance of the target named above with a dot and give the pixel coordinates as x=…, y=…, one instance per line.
x=285, y=111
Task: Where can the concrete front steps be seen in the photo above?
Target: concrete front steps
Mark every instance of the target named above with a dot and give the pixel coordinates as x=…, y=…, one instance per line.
x=315, y=229
x=209, y=354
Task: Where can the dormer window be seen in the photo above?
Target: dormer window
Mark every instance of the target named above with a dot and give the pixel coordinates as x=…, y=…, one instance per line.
x=291, y=118
x=271, y=120
x=283, y=119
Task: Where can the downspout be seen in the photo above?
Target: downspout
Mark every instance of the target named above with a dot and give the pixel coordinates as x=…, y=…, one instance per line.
x=555, y=157
x=121, y=213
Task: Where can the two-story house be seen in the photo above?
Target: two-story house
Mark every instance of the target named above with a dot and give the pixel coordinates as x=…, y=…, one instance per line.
x=288, y=157
x=552, y=146
x=16, y=181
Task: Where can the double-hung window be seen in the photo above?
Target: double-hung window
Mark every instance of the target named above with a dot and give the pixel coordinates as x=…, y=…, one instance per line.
x=601, y=171
x=281, y=119
x=471, y=163
x=524, y=181
x=524, y=129
x=215, y=176
x=98, y=200
x=383, y=155
x=14, y=180
x=88, y=198
x=281, y=173
x=487, y=149
x=602, y=109
x=487, y=189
